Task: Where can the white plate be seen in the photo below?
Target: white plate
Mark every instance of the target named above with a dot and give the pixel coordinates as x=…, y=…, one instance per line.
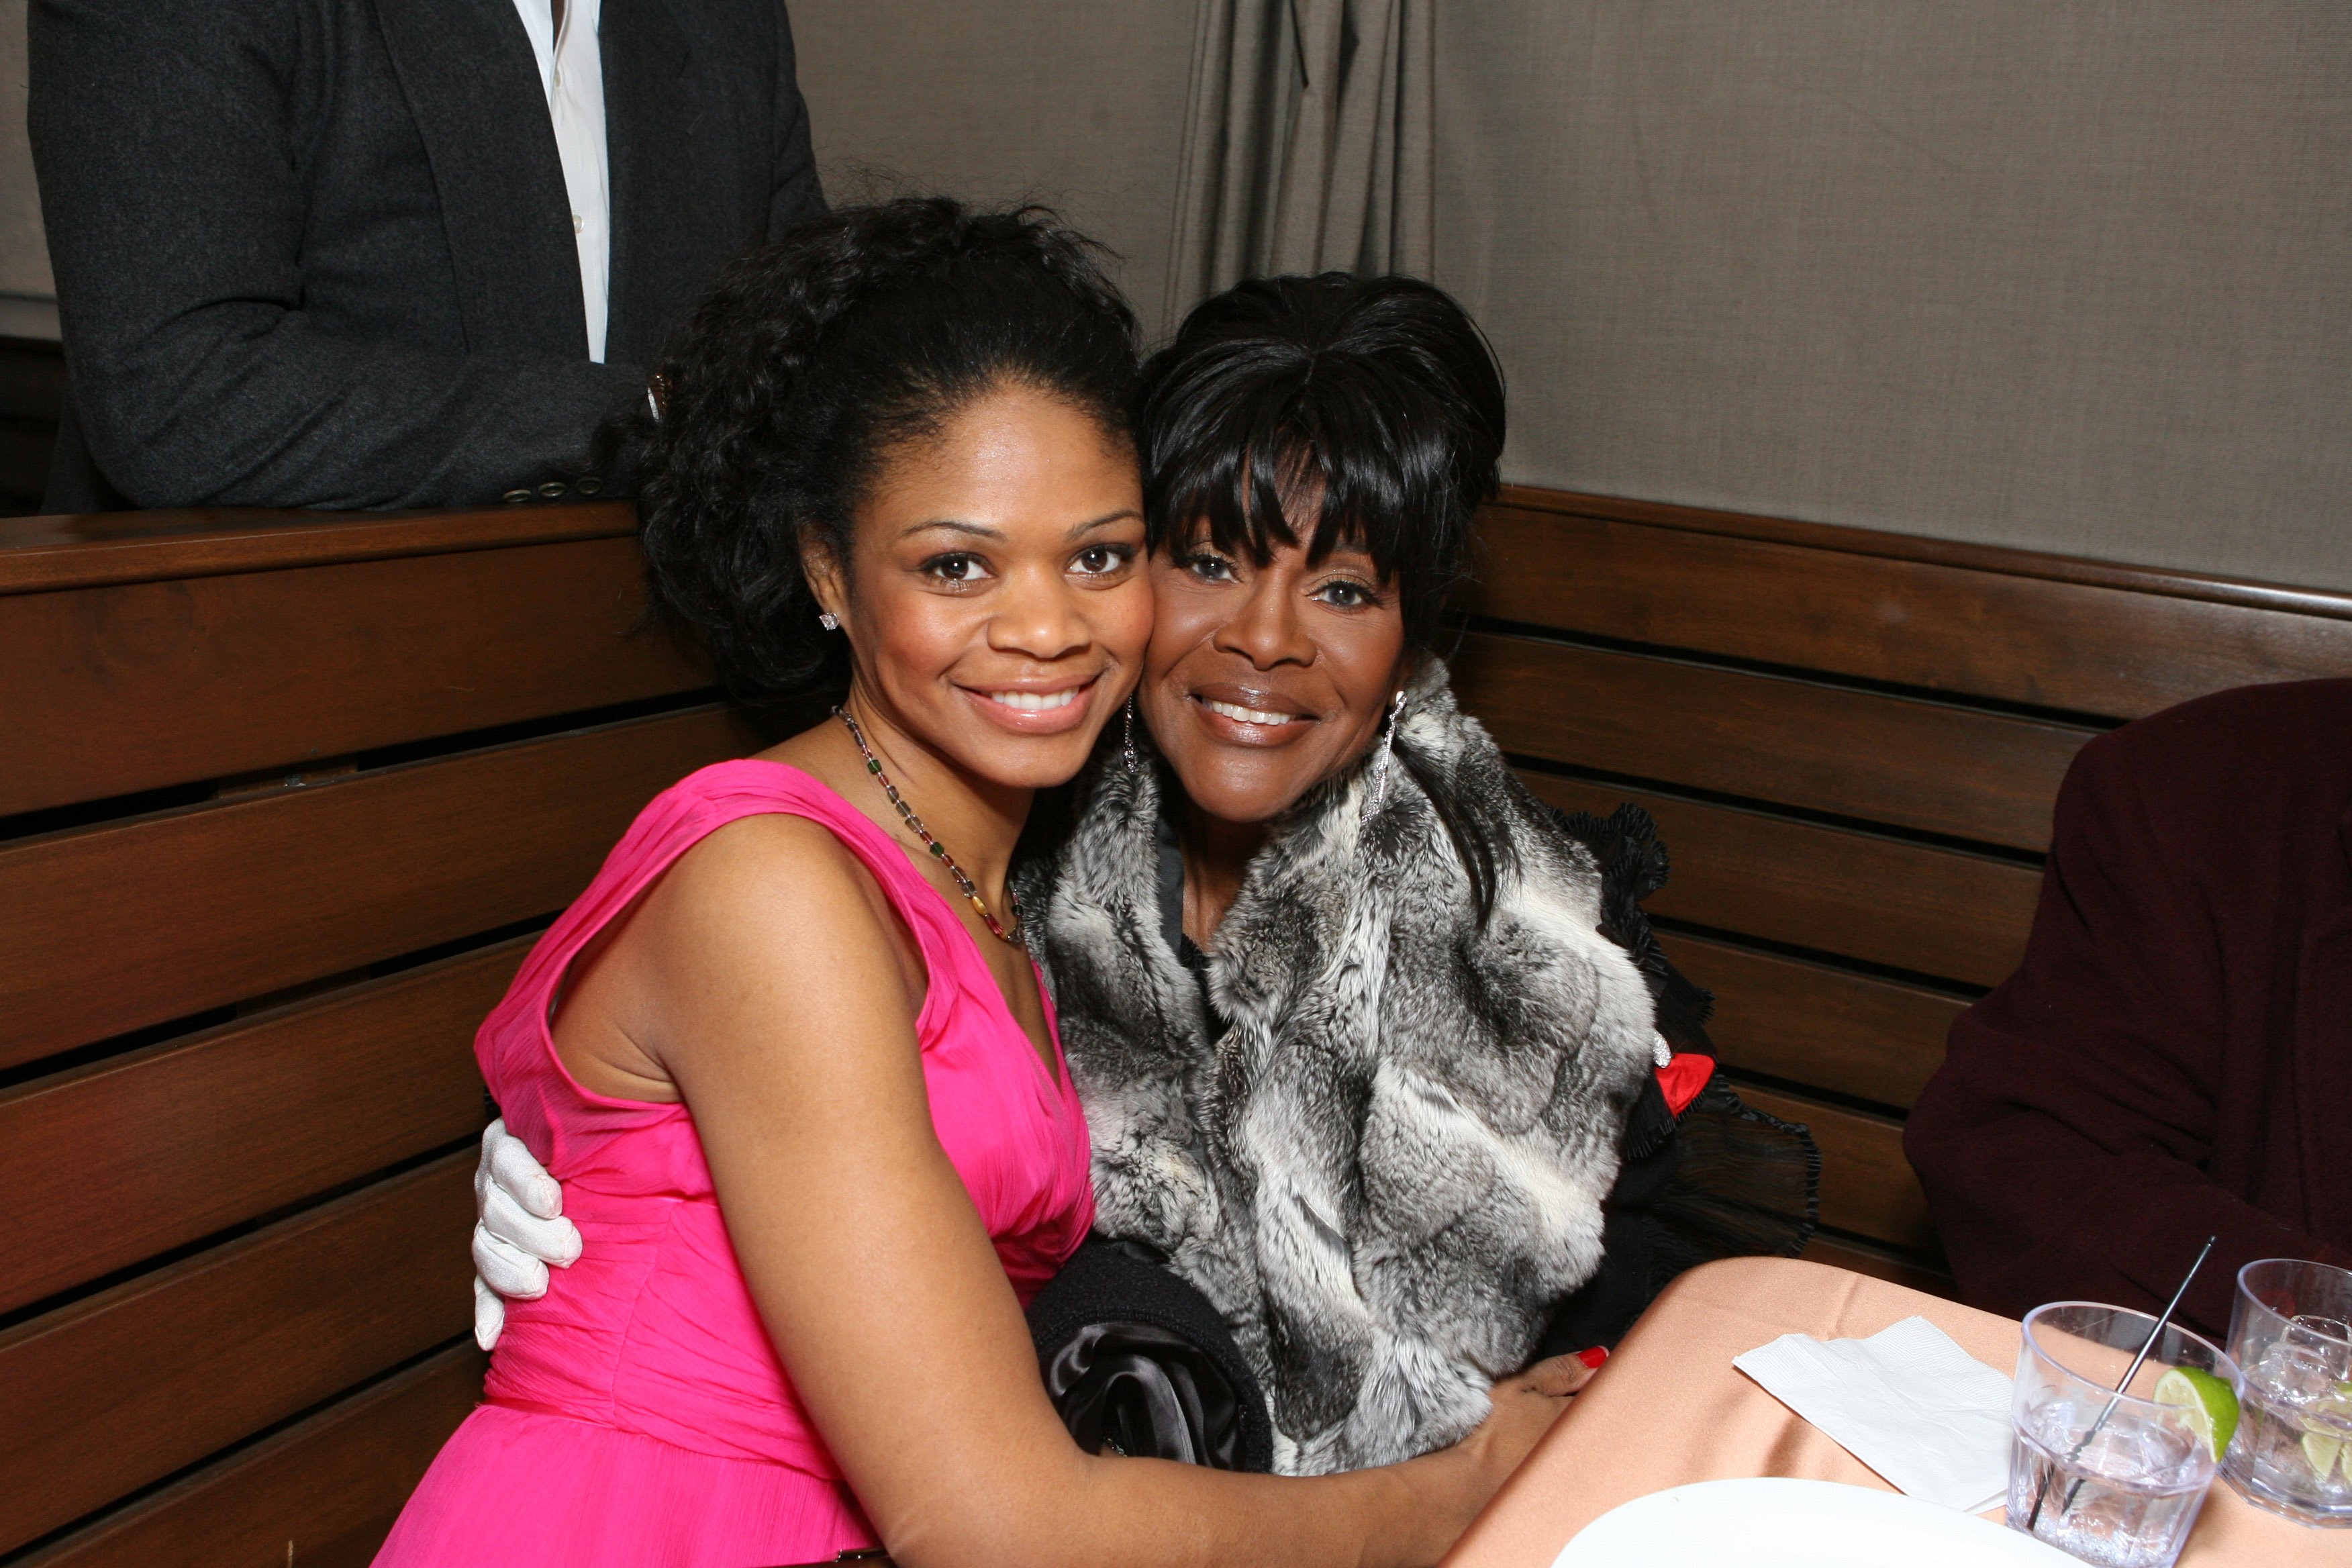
x=1772, y=1522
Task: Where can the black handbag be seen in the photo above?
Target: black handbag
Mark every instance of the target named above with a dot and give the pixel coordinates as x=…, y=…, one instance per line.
x=1138, y=1362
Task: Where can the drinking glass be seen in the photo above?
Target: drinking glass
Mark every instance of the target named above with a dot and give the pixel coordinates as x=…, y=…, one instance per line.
x=2291, y=1329
x=2110, y=1477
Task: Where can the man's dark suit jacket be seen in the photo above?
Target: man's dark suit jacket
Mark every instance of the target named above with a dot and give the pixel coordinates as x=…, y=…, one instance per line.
x=318, y=252
x=2173, y=1059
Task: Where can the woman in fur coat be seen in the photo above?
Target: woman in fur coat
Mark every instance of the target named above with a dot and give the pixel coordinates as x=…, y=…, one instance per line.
x=1361, y=1027
x=1377, y=1053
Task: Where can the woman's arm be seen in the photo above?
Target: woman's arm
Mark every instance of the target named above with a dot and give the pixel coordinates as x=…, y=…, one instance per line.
x=761, y=977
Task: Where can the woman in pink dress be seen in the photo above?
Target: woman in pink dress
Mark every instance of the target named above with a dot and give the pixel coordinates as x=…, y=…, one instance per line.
x=787, y=1054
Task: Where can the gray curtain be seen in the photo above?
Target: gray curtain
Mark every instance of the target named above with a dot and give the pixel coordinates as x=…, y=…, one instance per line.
x=1308, y=133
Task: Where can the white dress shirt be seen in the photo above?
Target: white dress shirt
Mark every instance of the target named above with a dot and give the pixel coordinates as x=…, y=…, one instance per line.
x=572, y=73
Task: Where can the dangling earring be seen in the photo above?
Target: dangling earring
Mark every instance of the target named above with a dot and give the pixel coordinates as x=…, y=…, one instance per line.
x=1388, y=748
x=826, y=619
x=1133, y=767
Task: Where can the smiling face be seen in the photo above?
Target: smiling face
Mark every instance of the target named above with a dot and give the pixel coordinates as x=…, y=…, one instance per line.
x=1264, y=680
x=996, y=600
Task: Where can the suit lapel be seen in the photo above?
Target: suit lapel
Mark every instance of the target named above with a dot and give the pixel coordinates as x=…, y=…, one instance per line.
x=664, y=237
x=467, y=70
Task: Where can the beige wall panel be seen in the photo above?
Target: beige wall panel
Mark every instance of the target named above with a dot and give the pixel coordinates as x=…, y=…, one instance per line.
x=1078, y=104
x=26, y=290
x=2073, y=275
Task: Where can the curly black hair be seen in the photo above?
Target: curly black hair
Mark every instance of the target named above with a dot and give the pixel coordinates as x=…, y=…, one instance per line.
x=807, y=364
x=1379, y=391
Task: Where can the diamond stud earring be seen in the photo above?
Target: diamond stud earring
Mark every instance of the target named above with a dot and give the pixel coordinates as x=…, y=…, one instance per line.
x=826, y=619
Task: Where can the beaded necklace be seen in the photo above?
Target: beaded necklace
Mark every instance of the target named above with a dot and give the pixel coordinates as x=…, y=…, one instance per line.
x=906, y=815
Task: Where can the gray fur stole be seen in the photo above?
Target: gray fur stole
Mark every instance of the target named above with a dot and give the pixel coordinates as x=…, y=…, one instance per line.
x=1391, y=1164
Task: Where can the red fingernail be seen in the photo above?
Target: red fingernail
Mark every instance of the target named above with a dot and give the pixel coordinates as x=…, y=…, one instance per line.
x=1594, y=1356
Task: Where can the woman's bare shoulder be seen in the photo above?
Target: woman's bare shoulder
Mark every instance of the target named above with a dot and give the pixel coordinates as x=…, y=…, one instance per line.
x=773, y=911
x=764, y=879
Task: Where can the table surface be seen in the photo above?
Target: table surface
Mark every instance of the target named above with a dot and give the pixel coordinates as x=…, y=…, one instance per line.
x=1669, y=1408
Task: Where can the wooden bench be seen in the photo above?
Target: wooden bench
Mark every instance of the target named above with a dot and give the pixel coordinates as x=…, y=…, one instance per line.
x=283, y=800
x=1851, y=742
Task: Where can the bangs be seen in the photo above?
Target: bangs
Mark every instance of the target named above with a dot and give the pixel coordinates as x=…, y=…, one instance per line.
x=1366, y=413
x=1253, y=457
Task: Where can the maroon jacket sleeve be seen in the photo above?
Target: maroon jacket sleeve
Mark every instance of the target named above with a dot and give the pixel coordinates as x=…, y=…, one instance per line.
x=2064, y=1144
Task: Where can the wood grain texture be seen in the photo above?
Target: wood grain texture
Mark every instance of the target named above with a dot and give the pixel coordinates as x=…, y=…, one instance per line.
x=1939, y=913
x=320, y=1494
x=108, y=691
x=1922, y=765
x=2082, y=646
x=1868, y=1187
x=114, y=927
x=1998, y=558
x=143, y=1152
x=1811, y=1023
x=41, y=554
x=135, y=1382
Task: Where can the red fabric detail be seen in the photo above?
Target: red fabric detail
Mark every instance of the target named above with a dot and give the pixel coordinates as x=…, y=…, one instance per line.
x=1684, y=1077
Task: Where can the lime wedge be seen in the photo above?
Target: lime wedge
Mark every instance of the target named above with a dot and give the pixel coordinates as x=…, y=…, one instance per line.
x=2325, y=1449
x=2207, y=1403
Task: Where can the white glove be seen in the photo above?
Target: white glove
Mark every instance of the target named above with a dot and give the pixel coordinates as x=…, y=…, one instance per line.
x=518, y=1230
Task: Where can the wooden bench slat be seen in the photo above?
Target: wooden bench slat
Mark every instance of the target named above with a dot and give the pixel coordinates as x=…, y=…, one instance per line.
x=1808, y=1022
x=1940, y=913
x=134, y=1384
x=2082, y=646
x=1915, y=764
x=118, y=927
x=141, y=1154
x=1868, y=1187
x=43, y=554
x=2003, y=560
x=104, y=691
x=326, y=1489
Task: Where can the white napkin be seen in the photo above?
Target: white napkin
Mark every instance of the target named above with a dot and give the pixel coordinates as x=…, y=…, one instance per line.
x=1907, y=1402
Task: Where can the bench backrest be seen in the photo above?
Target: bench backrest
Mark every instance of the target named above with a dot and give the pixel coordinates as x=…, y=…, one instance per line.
x=281, y=802
x=1851, y=742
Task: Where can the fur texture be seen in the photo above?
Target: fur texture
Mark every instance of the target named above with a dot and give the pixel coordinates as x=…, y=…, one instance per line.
x=1392, y=1164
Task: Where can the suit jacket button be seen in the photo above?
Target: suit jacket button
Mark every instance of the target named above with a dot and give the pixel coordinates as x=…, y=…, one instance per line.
x=516, y=498
x=552, y=489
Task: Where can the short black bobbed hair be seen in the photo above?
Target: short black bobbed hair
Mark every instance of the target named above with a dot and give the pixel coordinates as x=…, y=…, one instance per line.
x=1379, y=393
x=808, y=361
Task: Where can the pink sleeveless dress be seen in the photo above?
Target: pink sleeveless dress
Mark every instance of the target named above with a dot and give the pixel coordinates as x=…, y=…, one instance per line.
x=637, y=1414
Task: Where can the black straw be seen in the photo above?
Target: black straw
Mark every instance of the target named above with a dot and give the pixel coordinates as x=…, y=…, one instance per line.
x=2131, y=1371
